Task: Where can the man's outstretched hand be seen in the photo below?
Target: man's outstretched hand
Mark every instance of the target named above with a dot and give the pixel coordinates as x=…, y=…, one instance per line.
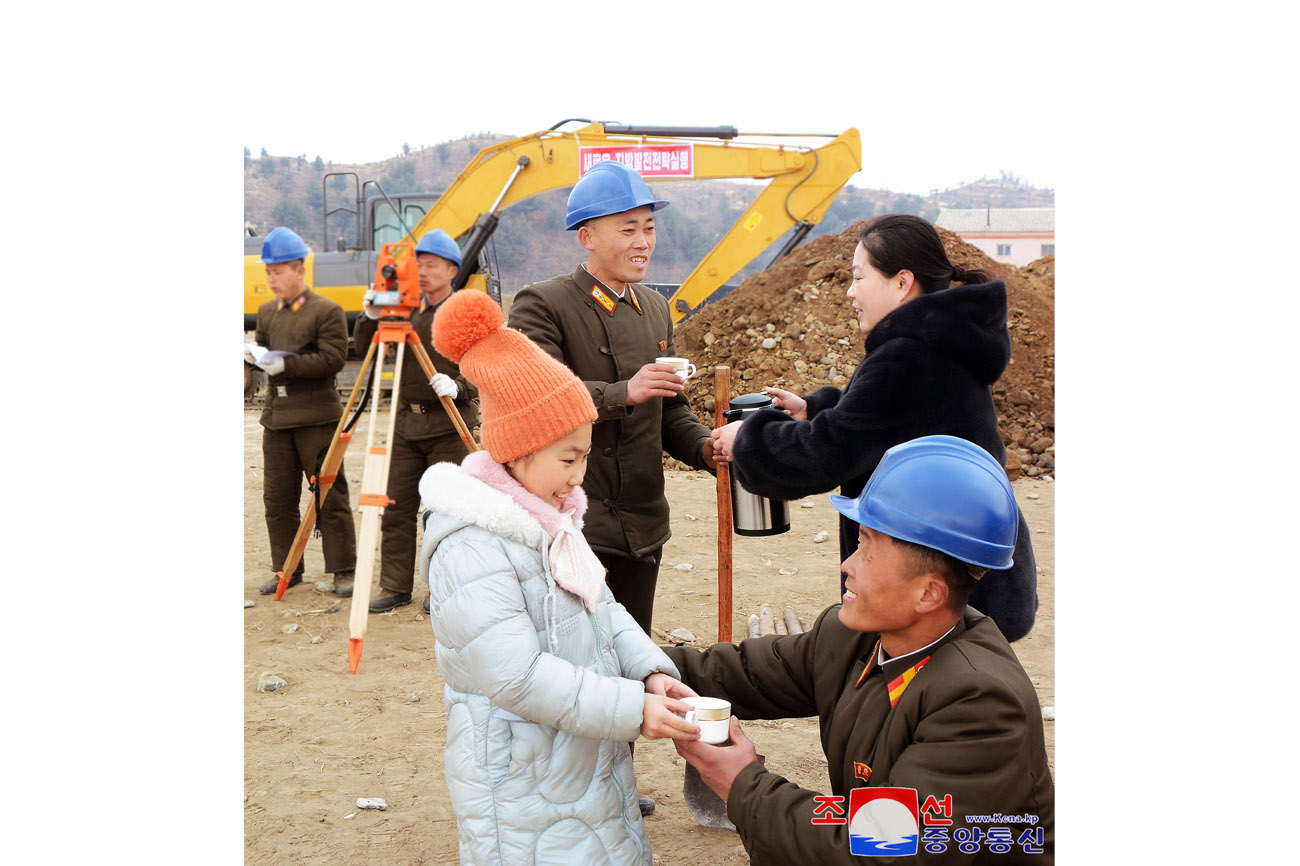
x=719, y=765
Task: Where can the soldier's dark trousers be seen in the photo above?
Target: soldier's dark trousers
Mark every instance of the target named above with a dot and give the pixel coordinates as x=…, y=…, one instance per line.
x=289, y=457
x=632, y=582
x=410, y=457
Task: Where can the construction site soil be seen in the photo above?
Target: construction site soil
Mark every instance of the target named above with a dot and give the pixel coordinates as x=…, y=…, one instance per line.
x=791, y=326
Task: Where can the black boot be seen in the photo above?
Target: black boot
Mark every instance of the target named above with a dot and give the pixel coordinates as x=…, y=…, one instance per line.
x=388, y=602
x=343, y=584
x=271, y=586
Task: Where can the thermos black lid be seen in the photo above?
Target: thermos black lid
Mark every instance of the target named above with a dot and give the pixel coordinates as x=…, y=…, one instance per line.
x=751, y=401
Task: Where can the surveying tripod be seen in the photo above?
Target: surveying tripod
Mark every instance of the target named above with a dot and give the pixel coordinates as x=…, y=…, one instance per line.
x=394, y=329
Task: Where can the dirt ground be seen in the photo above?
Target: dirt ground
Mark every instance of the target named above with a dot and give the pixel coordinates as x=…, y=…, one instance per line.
x=330, y=736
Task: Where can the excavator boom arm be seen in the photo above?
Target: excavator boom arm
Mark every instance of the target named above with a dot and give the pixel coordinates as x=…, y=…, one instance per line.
x=804, y=183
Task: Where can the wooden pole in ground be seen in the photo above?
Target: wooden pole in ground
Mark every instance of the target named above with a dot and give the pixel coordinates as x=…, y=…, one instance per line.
x=722, y=399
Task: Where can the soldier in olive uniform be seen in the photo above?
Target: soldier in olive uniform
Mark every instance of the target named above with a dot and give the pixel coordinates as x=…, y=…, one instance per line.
x=424, y=434
x=912, y=688
x=302, y=409
x=609, y=331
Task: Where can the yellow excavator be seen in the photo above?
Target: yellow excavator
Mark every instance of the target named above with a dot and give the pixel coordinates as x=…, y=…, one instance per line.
x=804, y=181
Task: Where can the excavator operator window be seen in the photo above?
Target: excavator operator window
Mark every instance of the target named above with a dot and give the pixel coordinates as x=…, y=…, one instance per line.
x=388, y=228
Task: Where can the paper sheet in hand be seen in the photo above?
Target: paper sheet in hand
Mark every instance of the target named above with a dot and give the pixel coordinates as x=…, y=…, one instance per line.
x=261, y=353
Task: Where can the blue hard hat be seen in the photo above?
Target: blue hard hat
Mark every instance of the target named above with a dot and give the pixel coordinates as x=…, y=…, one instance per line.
x=608, y=187
x=943, y=493
x=439, y=243
x=282, y=245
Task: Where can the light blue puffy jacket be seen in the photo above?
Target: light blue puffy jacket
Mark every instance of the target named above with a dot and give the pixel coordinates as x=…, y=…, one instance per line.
x=536, y=760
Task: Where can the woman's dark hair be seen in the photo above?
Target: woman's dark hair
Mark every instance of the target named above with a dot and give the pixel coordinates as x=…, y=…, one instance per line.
x=896, y=242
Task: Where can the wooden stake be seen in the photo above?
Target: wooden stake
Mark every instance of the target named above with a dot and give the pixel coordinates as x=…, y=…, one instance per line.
x=766, y=622
x=753, y=625
x=721, y=399
x=791, y=621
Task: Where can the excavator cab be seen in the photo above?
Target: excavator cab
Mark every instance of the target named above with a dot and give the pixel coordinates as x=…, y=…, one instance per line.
x=385, y=223
x=387, y=219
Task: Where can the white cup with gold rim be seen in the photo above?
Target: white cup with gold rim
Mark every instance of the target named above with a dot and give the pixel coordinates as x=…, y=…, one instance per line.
x=685, y=369
x=713, y=715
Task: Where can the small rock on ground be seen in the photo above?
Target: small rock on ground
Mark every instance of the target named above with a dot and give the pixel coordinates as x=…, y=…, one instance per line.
x=269, y=682
x=372, y=803
x=681, y=634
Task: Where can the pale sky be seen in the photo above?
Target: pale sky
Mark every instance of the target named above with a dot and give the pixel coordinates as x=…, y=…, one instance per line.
x=928, y=120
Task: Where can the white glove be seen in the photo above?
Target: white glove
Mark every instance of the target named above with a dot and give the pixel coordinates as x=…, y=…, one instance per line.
x=248, y=354
x=444, y=386
x=273, y=366
x=367, y=305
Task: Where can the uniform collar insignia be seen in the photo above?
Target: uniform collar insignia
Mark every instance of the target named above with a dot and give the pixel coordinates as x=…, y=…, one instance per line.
x=605, y=301
x=871, y=663
x=899, y=683
x=296, y=305
x=902, y=669
x=603, y=294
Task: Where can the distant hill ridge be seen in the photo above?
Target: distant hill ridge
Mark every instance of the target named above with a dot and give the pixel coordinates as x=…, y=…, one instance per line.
x=531, y=241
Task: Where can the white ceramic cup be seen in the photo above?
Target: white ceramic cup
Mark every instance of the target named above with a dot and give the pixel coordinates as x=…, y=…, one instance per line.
x=685, y=368
x=713, y=715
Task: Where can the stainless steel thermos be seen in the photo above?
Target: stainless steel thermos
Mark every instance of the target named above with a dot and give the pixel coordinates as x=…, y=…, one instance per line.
x=752, y=514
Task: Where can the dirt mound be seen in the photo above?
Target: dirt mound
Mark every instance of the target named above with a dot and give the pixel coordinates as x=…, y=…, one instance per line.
x=792, y=327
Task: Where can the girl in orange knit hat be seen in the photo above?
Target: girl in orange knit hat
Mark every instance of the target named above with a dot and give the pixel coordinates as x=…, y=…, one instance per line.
x=547, y=677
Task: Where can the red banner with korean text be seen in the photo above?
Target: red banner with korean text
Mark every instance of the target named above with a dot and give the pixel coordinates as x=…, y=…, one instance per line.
x=648, y=160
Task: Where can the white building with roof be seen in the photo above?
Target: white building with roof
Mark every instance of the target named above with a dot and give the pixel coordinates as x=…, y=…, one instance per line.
x=1012, y=235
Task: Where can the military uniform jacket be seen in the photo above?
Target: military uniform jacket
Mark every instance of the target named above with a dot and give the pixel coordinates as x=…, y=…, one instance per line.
x=966, y=724
x=415, y=388
x=605, y=343
x=316, y=331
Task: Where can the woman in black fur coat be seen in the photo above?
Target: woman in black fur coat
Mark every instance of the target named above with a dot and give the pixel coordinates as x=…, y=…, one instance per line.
x=932, y=352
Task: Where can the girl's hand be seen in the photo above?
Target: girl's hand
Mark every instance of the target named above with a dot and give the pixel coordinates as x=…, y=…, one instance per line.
x=790, y=402
x=662, y=684
x=661, y=719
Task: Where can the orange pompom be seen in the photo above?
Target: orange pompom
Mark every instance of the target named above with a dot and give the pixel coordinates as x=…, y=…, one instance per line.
x=462, y=321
